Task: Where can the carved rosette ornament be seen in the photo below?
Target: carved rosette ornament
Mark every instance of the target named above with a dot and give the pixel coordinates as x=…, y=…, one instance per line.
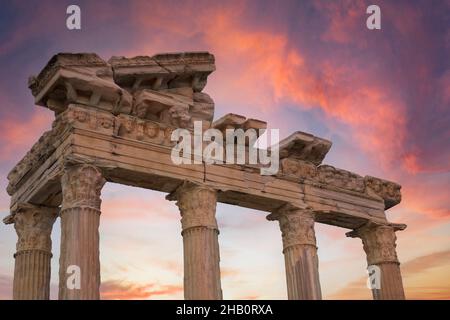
x=81, y=187
x=296, y=225
x=197, y=206
x=378, y=242
x=33, y=225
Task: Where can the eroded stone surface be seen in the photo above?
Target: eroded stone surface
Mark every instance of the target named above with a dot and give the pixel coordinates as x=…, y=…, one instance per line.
x=304, y=146
x=82, y=78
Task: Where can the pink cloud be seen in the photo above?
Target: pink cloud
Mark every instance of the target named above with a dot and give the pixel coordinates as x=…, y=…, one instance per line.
x=120, y=290
x=19, y=135
x=128, y=206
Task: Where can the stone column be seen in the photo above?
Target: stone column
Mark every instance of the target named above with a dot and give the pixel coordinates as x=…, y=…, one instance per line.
x=379, y=245
x=79, y=263
x=33, y=225
x=200, y=241
x=300, y=252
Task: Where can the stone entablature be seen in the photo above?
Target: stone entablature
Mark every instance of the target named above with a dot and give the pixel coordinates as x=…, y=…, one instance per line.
x=149, y=131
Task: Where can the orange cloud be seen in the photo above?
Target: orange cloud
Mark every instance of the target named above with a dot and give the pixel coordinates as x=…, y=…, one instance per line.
x=259, y=69
x=120, y=290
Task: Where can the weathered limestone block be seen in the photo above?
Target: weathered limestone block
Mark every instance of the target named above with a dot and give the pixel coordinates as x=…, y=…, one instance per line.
x=80, y=219
x=33, y=226
x=298, y=169
x=174, y=109
x=143, y=130
x=304, y=146
x=164, y=71
x=202, y=109
x=162, y=107
x=300, y=252
x=380, y=248
x=236, y=122
x=82, y=78
x=190, y=68
x=78, y=116
x=197, y=206
x=332, y=176
x=387, y=190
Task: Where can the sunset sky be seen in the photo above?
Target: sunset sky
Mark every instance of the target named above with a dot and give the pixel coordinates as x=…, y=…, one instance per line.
x=381, y=96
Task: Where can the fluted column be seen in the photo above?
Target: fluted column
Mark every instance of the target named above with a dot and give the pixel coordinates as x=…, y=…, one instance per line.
x=200, y=241
x=33, y=226
x=300, y=252
x=379, y=245
x=79, y=270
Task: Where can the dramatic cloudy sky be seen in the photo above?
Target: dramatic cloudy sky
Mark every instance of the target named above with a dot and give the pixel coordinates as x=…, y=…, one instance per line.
x=382, y=97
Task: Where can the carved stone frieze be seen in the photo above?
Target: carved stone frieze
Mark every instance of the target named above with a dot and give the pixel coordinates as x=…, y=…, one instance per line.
x=332, y=176
x=90, y=119
x=143, y=130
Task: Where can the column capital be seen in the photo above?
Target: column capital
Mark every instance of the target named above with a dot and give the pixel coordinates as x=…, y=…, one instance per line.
x=81, y=186
x=378, y=242
x=33, y=225
x=296, y=225
x=197, y=204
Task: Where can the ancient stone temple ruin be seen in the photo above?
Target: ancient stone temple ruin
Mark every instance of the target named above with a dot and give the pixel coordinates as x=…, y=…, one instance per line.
x=113, y=122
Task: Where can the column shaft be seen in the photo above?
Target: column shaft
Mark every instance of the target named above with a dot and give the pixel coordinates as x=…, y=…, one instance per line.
x=201, y=264
x=32, y=275
x=200, y=242
x=300, y=252
x=79, y=271
x=302, y=273
x=391, y=287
